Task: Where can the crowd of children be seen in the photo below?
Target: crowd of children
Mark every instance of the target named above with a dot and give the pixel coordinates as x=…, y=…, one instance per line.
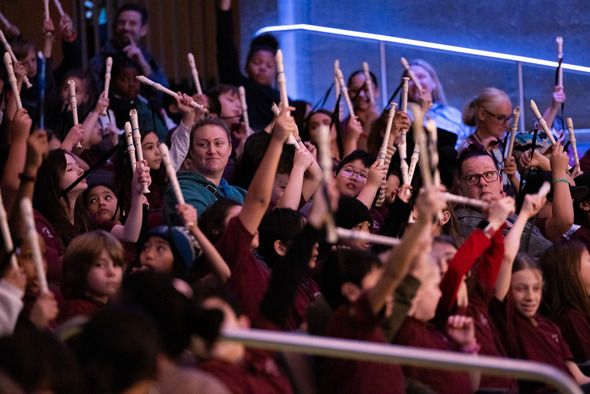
x=141, y=283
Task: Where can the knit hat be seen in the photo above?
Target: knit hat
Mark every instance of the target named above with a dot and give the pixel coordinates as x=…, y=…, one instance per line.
x=184, y=247
x=352, y=212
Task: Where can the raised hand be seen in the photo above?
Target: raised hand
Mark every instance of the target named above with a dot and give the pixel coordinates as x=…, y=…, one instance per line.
x=462, y=330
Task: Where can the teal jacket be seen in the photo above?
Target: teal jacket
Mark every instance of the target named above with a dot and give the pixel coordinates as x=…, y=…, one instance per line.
x=200, y=193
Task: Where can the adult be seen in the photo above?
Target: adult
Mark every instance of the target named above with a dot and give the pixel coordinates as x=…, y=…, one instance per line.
x=201, y=175
x=358, y=127
x=491, y=112
x=451, y=130
x=479, y=178
x=131, y=24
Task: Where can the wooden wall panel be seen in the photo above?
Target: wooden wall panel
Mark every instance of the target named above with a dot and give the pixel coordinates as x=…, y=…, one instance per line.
x=176, y=28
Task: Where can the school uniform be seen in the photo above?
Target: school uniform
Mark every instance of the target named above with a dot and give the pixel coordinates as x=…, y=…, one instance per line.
x=257, y=373
x=575, y=328
x=415, y=333
x=250, y=276
x=357, y=321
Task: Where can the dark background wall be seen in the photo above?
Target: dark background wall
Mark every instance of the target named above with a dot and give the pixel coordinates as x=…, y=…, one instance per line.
x=526, y=28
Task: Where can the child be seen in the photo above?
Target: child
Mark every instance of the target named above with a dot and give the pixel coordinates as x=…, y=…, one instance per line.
x=566, y=267
x=178, y=322
x=55, y=201
x=41, y=309
x=92, y=273
x=125, y=96
x=101, y=201
x=358, y=290
x=525, y=334
x=284, y=240
x=353, y=215
x=260, y=68
x=317, y=119
x=359, y=175
x=417, y=331
x=169, y=250
x=241, y=369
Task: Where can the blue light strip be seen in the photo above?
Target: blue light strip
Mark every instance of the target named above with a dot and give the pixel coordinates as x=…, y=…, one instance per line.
x=421, y=44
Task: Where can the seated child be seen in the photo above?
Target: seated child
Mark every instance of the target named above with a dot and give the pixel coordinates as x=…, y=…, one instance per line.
x=358, y=289
x=92, y=272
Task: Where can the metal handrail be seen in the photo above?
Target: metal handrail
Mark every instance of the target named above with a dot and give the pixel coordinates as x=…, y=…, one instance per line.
x=382, y=39
x=426, y=358
x=420, y=44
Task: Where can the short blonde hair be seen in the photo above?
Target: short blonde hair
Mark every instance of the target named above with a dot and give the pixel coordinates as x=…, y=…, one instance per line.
x=487, y=98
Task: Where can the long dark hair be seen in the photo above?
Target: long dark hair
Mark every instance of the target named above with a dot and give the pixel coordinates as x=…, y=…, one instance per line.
x=564, y=288
x=47, y=198
x=304, y=133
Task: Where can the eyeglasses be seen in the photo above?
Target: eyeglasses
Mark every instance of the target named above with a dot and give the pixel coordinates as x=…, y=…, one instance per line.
x=500, y=118
x=349, y=172
x=472, y=180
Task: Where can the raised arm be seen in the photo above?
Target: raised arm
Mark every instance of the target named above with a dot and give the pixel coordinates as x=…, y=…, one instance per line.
x=478, y=244
x=180, y=139
x=428, y=203
x=531, y=205
x=188, y=215
x=377, y=172
x=20, y=128
x=49, y=33
x=293, y=191
x=259, y=193
x=227, y=53
x=562, y=217
x=130, y=231
x=90, y=121
x=557, y=98
x=37, y=149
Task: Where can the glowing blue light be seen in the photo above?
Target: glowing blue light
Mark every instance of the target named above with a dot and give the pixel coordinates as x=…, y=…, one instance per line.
x=421, y=44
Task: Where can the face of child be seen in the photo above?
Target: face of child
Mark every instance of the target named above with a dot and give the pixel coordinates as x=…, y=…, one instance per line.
x=231, y=107
x=151, y=151
x=157, y=255
x=30, y=63
x=365, y=227
x=314, y=256
x=526, y=287
x=228, y=351
x=102, y=202
x=585, y=270
x=315, y=122
x=391, y=186
x=81, y=91
x=104, y=278
x=428, y=295
x=129, y=26
x=442, y=253
x=125, y=83
x=26, y=261
x=262, y=67
x=71, y=173
x=278, y=188
x=352, y=178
